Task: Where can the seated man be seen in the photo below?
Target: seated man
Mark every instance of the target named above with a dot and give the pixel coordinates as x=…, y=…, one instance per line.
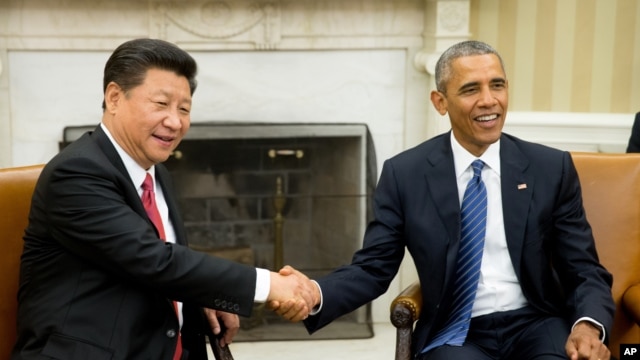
x=496, y=228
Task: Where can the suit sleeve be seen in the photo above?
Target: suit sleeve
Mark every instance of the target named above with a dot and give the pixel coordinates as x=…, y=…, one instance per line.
x=586, y=282
x=374, y=266
x=94, y=212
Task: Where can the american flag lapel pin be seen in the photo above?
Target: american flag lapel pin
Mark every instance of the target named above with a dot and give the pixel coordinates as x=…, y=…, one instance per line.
x=522, y=186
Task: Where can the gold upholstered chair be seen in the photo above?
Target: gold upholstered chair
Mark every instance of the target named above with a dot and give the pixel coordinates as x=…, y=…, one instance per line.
x=16, y=189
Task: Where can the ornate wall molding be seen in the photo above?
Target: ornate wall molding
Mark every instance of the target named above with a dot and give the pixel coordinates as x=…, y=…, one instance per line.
x=453, y=16
x=259, y=22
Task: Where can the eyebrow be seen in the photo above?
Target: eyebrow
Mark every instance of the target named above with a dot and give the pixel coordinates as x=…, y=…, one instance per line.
x=466, y=86
x=169, y=94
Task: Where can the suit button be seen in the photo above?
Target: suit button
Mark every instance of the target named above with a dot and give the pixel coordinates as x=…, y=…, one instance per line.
x=216, y=302
x=224, y=304
x=171, y=333
x=236, y=307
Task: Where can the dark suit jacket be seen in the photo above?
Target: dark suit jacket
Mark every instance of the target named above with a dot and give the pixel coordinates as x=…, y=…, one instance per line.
x=95, y=279
x=634, y=138
x=416, y=207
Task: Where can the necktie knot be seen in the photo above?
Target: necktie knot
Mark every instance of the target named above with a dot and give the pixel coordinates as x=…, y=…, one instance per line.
x=147, y=184
x=477, y=166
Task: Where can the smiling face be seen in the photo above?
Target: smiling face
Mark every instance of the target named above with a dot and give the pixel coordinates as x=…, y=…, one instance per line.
x=476, y=99
x=150, y=120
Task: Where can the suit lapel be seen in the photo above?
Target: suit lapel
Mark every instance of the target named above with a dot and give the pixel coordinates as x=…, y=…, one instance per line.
x=441, y=182
x=517, y=191
x=110, y=152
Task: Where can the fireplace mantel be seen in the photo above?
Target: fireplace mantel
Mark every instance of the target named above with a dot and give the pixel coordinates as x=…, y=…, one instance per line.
x=420, y=28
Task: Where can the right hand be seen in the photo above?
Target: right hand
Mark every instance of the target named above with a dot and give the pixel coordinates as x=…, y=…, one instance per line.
x=292, y=295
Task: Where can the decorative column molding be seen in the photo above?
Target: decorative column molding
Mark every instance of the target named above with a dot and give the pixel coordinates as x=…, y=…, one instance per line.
x=446, y=23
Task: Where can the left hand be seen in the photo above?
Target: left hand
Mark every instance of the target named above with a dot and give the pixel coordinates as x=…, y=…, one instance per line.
x=584, y=343
x=231, y=323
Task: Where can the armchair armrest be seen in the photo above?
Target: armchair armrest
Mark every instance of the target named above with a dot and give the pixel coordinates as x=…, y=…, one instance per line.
x=631, y=302
x=220, y=353
x=405, y=310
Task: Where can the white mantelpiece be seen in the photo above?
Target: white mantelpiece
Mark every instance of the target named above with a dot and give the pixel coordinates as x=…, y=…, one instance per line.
x=411, y=31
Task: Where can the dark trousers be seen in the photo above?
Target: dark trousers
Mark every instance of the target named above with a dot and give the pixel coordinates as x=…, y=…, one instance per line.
x=522, y=334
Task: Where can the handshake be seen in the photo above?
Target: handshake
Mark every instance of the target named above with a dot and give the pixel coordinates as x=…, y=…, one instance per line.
x=292, y=294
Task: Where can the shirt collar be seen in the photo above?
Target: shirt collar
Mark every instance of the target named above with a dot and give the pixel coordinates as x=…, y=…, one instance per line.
x=462, y=158
x=135, y=171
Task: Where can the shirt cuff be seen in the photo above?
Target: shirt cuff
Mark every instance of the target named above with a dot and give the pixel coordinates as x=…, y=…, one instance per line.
x=263, y=285
x=603, y=333
x=317, y=309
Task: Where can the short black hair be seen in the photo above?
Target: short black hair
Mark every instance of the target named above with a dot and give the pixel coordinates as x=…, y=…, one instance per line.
x=128, y=64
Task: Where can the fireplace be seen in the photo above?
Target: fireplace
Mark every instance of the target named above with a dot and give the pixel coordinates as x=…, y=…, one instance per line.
x=268, y=194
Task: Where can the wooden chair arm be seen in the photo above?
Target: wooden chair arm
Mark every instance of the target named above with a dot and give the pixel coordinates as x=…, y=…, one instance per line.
x=631, y=302
x=220, y=353
x=405, y=310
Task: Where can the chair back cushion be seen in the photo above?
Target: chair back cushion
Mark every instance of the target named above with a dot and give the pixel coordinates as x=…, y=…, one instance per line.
x=16, y=189
x=611, y=194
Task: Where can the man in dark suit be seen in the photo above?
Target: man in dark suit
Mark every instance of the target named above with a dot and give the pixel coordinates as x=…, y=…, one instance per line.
x=634, y=139
x=541, y=292
x=99, y=278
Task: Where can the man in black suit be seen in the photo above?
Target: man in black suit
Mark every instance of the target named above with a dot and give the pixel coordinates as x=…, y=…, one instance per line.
x=634, y=139
x=99, y=279
x=541, y=292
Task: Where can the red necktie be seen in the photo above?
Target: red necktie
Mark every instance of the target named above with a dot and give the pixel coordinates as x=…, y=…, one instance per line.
x=149, y=203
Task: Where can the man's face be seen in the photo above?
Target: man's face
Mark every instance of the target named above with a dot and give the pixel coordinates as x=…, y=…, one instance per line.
x=476, y=99
x=151, y=119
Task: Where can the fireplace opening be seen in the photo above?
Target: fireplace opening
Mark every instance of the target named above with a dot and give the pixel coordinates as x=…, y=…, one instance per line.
x=269, y=195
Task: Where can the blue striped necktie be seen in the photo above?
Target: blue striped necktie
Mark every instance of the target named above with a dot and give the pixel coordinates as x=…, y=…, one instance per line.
x=473, y=225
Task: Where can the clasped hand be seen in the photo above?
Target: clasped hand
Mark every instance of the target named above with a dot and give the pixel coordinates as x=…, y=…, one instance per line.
x=292, y=295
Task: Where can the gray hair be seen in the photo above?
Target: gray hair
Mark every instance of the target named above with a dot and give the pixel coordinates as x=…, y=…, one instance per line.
x=462, y=49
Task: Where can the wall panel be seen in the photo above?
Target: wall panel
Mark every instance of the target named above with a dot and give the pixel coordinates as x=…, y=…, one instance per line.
x=565, y=55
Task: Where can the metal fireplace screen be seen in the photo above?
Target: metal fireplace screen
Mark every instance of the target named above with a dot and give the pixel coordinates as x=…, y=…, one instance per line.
x=268, y=195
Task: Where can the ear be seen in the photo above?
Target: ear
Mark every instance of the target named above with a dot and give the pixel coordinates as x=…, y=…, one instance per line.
x=439, y=102
x=112, y=96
